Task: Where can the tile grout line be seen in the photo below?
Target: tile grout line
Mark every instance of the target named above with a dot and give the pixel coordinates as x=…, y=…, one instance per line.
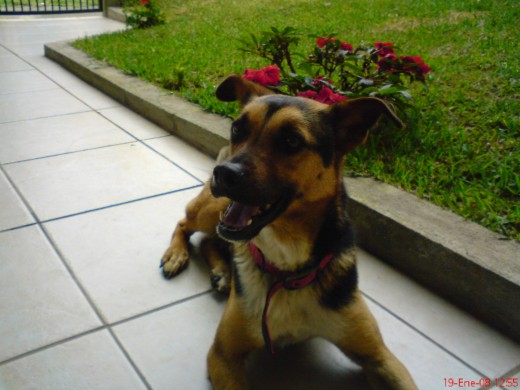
x=129, y=358
x=52, y=345
x=424, y=335
x=67, y=153
x=44, y=117
x=121, y=204
x=18, y=227
x=161, y=308
x=93, y=210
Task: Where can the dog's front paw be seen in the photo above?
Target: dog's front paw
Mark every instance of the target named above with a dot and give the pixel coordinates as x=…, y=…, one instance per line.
x=174, y=261
x=220, y=281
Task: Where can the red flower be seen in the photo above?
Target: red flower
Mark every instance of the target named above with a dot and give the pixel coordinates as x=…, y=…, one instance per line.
x=384, y=48
x=415, y=65
x=310, y=94
x=145, y=1
x=320, y=42
x=268, y=76
x=388, y=63
x=324, y=41
x=324, y=95
x=346, y=46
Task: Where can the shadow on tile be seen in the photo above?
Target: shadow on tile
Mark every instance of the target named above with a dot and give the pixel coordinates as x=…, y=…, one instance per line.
x=313, y=365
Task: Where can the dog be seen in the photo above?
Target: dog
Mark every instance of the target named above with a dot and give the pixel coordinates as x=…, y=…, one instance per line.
x=275, y=209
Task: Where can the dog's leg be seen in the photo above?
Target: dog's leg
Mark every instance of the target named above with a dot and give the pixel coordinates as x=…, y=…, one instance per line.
x=233, y=343
x=364, y=345
x=202, y=215
x=175, y=259
x=218, y=253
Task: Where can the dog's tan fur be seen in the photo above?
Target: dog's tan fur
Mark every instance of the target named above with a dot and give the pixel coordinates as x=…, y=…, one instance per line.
x=290, y=240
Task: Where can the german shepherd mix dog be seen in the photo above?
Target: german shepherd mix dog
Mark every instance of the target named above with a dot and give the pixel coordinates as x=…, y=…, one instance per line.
x=278, y=197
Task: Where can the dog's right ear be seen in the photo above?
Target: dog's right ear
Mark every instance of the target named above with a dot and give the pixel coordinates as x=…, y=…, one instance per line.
x=353, y=119
x=235, y=88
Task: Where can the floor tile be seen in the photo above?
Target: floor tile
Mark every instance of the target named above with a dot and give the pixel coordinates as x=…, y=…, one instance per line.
x=77, y=182
x=26, y=49
x=469, y=339
x=427, y=363
x=184, y=155
x=40, y=302
x=39, y=104
x=24, y=81
x=170, y=346
x=116, y=253
x=78, y=88
x=135, y=124
x=10, y=63
x=13, y=212
x=90, y=362
x=91, y=96
x=62, y=134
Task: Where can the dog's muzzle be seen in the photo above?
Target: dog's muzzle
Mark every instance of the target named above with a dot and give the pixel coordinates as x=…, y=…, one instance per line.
x=227, y=177
x=252, y=206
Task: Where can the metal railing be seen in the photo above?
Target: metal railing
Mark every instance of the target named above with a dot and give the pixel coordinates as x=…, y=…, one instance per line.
x=21, y=7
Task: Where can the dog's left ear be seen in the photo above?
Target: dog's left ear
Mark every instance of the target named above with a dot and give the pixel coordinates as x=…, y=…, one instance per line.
x=354, y=118
x=235, y=88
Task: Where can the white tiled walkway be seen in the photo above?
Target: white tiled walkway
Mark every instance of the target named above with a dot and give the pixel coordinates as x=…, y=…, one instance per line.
x=89, y=195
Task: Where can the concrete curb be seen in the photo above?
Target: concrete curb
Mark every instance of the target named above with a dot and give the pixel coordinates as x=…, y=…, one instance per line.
x=467, y=264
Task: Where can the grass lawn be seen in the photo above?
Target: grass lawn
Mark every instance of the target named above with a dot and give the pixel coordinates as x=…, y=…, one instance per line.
x=461, y=147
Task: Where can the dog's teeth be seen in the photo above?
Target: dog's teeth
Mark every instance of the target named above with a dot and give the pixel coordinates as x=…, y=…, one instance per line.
x=249, y=222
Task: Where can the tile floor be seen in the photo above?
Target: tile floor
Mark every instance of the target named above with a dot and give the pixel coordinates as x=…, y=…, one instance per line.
x=89, y=194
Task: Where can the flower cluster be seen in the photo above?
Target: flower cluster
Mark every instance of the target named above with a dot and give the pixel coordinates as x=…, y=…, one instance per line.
x=268, y=76
x=335, y=70
x=142, y=13
x=390, y=62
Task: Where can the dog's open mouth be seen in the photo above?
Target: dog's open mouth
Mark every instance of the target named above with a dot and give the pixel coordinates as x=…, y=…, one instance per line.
x=241, y=222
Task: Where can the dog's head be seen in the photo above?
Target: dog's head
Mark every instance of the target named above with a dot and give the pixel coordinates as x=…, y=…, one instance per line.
x=286, y=155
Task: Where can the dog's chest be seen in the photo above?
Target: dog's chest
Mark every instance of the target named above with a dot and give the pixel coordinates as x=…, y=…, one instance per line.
x=292, y=315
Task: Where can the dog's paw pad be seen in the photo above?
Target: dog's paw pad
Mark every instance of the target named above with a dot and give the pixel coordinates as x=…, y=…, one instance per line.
x=173, y=264
x=220, y=281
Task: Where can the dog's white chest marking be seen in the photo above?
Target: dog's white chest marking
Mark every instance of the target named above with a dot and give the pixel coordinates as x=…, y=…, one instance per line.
x=293, y=315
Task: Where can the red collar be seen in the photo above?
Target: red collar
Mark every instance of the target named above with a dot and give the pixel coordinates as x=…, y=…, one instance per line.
x=286, y=279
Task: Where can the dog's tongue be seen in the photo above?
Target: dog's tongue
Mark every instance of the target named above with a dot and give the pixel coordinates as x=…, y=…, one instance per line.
x=238, y=215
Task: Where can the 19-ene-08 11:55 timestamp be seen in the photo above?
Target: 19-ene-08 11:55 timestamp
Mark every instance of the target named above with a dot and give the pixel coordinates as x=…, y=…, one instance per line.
x=461, y=383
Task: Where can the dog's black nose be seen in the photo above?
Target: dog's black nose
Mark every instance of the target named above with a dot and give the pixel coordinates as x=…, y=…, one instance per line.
x=228, y=175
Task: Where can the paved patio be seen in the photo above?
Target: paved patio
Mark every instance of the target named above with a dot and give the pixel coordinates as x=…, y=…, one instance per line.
x=89, y=195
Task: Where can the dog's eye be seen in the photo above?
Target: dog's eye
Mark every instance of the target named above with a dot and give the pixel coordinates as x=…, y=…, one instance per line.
x=237, y=133
x=293, y=142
